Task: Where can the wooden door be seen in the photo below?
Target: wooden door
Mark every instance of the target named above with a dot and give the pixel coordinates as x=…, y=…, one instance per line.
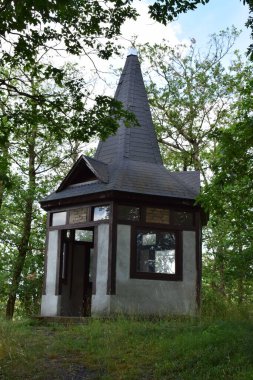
x=80, y=279
x=76, y=285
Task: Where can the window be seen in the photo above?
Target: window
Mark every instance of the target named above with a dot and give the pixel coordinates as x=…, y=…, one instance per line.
x=84, y=235
x=183, y=218
x=129, y=213
x=156, y=254
x=58, y=218
x=101, y=213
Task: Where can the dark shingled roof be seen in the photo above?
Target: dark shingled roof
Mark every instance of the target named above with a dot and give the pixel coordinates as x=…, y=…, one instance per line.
x=136, y=143
x=130, y=161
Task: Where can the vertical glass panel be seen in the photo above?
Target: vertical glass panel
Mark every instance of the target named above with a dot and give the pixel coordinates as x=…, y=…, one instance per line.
x=148, y=239
x=59, y=218
x=183, y=218
x=156, y=252
x=101, y=213
x=78, y=215
x=91, y=264
x=165, y=261
x=84, y=235
x=64, y=261
x=157, y=215
x=128, y=213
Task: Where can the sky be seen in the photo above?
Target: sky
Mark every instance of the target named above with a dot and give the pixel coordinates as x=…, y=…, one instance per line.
x=213, y=17
x=199, y=24
x=207, y=19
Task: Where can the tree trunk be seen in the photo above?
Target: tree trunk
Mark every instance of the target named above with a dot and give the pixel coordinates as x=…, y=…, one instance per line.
x=4, y=170
x=26, y=229
x=240, y=289
x=240, y=280
x=17, y=270
x=2, y=188
x=195, y=155
x=222, y=284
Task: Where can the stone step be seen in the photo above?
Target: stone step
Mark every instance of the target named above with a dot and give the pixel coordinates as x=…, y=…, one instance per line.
x=62, y=320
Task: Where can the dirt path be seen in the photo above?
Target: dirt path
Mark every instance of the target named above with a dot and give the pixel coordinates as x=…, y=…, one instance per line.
x=56, y=369
x=62, y=366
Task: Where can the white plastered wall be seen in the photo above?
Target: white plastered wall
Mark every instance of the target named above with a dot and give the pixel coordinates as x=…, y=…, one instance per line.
x=100, y=303
x=50, y=303
x=154, y=296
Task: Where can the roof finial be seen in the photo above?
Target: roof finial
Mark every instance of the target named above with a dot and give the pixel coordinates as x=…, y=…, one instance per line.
x=132, y=51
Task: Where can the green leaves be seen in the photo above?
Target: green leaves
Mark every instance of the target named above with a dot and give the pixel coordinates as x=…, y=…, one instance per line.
x=40, y=137
x=190, y=95
x=229, y=199
x=102, y=120
x=203, y=116
x=75, y=23
x=168, y=10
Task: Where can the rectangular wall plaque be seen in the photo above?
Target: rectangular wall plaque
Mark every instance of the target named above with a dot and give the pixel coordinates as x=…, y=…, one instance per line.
x=157, y=215
x=78, y=215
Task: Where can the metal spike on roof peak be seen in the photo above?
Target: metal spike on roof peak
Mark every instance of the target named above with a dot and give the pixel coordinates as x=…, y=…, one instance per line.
x=132, y=51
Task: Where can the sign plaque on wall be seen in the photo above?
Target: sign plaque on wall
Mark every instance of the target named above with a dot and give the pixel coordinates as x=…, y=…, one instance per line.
x=157, y=215
x=78, y=215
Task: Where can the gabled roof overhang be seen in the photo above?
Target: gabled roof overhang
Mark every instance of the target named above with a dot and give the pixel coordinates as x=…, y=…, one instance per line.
x=89, y=168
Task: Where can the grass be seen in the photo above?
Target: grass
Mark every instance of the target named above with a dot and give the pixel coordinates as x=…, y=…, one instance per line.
x=130, y=349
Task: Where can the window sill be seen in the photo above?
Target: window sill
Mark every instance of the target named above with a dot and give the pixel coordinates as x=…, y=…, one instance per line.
x=157, y=276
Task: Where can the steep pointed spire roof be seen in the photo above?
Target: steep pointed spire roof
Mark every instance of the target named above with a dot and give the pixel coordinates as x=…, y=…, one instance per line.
x=129, y=161
x=136, y=143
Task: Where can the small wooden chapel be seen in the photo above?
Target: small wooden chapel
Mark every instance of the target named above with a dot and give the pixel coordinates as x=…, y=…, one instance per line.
x=124, y=233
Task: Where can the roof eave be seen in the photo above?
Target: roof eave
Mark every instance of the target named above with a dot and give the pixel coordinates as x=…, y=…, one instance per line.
x=119, y=195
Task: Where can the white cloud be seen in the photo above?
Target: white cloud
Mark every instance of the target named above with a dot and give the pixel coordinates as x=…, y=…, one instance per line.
x=144, y=29
x=147, y=30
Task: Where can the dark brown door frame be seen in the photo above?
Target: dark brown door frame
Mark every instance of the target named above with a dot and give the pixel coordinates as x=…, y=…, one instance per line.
x=71, y=243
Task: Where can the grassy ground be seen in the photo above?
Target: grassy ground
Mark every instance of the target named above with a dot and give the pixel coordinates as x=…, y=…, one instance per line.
x=167, y=349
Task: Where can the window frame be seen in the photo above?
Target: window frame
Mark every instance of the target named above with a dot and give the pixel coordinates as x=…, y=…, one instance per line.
x=177, y=276
x=185, y=226
x=129, y=221
x=172, y=209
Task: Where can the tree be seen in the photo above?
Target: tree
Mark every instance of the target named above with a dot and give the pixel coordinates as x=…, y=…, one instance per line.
x=202, y=112
x=229, y=199
x=191, y=95
x=171, y=9
x=33, y=159
x=31, y=29
x=36, y=114
x=88, y=117
x=77, y=26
